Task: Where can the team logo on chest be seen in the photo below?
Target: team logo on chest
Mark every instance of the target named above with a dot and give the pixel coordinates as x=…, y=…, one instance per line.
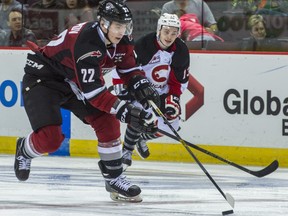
x=160, y=73
x=155, y=59
x=118, y=57
x=95, y=53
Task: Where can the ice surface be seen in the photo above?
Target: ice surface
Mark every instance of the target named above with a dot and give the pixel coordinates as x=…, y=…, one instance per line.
x=65, y=186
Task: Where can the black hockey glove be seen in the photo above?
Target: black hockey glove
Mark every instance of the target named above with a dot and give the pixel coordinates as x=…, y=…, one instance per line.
x=142, y=90
x=136, y=117
x=172, y=107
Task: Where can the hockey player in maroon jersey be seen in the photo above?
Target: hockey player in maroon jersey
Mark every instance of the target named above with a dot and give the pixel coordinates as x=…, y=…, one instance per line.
x=165, y=60
x=67, y=73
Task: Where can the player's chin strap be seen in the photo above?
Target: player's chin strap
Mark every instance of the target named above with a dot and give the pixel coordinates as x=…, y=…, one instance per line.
x=227, y=196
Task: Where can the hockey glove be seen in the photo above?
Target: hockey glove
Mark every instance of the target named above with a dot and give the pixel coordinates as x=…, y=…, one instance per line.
x=122, y=93
x=172, y=107
x=142, y=90
x=136, y=117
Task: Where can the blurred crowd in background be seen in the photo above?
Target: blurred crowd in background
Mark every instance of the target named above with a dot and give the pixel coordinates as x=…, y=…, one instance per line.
x=246, y=25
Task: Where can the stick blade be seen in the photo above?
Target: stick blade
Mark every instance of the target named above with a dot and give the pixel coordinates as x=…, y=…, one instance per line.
x=230, y=199
x=267, y=170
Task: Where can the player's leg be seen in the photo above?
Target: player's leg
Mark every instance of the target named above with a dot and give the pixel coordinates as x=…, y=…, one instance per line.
x=45, y=140
x=130, y=139
x=107, y=129
x=42, y=107
x=141, y=144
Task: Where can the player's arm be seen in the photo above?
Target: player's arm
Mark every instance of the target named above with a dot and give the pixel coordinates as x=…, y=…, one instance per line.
x=133, y=77
x=92, y=84
x=178, y=81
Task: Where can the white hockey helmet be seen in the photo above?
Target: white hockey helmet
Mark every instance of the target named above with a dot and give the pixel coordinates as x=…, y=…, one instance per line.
x=168, y=20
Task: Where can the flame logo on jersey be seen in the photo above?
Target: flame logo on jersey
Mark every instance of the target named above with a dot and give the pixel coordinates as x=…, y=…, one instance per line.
x=96, y=53
x=156, y=73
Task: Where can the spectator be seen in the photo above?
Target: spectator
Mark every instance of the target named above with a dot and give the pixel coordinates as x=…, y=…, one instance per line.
x=256, y=25
x=192, y=30
x=198, y=7
x=74, y=4
x=77, y=11
x=17, y=35
x=44, y=19
x=258, y=40
x=5, y=8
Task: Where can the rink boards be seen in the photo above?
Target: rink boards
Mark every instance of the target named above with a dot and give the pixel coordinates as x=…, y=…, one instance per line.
x=239, y=110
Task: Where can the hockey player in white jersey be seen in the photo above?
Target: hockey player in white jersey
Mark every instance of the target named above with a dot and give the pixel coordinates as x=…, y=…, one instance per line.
x=164, y=59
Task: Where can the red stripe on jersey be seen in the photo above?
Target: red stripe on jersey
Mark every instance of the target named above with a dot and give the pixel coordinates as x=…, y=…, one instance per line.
x=117, y=81
x=174, y=84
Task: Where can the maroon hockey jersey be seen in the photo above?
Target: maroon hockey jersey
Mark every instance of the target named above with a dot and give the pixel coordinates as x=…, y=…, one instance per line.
x=82, y=52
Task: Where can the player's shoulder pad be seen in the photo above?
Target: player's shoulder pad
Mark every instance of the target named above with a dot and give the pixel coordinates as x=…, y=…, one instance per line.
x=89, y=44
x=148, y=38
x=181, y=56
x=145, y=44
x=181, y=46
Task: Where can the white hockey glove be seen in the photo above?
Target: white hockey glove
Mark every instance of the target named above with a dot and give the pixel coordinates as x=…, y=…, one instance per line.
x=172, y=107
x=136, y=117
x=122, y=93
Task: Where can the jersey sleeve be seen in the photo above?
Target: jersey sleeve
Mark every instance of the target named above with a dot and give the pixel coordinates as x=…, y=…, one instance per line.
x=178, y=78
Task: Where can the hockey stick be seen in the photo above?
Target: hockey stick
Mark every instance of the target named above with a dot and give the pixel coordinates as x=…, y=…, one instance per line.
x=260, y=173
x=226, y=196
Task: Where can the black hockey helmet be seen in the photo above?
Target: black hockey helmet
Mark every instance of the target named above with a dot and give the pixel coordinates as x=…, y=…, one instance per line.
x=115, y=11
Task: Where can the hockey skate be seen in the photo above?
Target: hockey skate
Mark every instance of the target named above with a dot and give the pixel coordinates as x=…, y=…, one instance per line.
x=126, y=158
x=122, y=190
x=21, y=164
x=142, y=148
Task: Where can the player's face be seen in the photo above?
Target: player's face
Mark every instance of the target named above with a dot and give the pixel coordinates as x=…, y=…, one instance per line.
x=117, y=31
x=167, y=36
x=258, y=31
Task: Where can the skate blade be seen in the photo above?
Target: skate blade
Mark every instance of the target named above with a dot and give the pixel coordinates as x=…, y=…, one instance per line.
x=120, y=198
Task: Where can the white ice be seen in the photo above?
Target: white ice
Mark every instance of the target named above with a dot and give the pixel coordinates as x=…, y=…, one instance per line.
x=65, y=186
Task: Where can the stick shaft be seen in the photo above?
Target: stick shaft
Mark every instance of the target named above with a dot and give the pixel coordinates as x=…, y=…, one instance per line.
x=260, y=173
x=158, y=111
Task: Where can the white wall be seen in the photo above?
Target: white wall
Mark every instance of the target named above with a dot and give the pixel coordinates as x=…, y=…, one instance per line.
x=211, y=124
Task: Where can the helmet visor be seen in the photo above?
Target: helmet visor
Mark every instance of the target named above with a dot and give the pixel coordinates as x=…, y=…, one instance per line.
x=121, y=28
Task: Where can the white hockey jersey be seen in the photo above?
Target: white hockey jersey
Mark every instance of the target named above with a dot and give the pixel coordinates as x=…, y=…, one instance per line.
x=167, y=70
